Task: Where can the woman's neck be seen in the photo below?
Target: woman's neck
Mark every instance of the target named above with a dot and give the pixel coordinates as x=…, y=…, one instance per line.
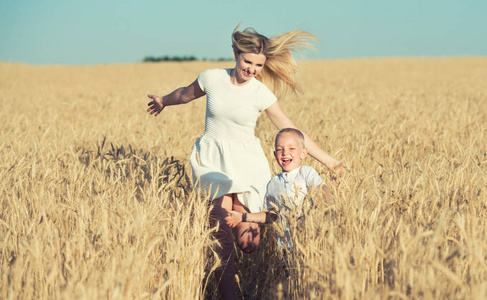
x=234, y=79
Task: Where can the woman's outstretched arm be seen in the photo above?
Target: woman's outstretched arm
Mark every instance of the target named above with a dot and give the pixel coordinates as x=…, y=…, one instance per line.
x=234, y=217
x=279, y=118
x=179, y=96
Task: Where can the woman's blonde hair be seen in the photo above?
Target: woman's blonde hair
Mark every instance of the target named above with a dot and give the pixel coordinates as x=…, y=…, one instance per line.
x=280, y=69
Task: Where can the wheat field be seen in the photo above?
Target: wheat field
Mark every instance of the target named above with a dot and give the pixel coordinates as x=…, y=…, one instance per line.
x=97, y=200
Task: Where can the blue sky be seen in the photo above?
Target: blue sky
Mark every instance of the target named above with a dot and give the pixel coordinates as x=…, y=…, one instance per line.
x=98, y=32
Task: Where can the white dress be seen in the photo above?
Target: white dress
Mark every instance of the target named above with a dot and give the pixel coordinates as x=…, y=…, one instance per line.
x=228, y=158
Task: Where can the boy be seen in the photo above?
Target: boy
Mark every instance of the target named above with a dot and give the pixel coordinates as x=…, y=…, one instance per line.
x=291, y=186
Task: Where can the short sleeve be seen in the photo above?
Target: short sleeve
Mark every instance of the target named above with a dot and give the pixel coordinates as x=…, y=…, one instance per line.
x=267, y=98
x=312, y=177
x=203, y=79
x=270, y=197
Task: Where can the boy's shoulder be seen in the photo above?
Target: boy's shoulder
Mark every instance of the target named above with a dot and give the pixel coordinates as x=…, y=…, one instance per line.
x=305, y=169
x=275, y=181
x=276, y=177
x=309, y=173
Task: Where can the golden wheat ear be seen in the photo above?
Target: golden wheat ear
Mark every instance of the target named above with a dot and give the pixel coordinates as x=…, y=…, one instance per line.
x=83, y=218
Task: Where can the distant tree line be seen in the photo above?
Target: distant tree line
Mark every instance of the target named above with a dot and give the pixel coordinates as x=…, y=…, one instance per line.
x=178, y=58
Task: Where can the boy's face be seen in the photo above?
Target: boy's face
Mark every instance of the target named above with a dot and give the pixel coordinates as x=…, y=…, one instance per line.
x=289, y=151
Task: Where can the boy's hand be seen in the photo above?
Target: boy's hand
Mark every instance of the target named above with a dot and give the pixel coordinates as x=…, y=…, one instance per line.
x=155, y=106
x=327, y=196
x=233, y=219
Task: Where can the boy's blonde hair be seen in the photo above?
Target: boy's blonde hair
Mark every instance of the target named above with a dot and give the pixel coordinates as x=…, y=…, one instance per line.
x=295, y=131
x=280, y=68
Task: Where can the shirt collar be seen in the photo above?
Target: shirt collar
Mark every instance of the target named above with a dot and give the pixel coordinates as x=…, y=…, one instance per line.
x=291, y=174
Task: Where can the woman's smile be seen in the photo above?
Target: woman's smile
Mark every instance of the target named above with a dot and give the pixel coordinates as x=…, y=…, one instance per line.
x=247, y=65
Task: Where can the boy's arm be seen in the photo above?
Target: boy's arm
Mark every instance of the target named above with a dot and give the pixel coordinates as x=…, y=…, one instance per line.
x=313, y=179
x=327, y=196
x=234, y=217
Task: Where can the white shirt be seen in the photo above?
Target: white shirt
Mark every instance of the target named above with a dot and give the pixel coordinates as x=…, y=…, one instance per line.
x=232, y=111
x=290, y=188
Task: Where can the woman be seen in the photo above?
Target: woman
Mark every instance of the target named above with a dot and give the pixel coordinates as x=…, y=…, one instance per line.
x=228, y=160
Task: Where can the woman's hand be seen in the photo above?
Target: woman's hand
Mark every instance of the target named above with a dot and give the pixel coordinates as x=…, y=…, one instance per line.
x=233, y=219
x=337, y=170
x=155, y=106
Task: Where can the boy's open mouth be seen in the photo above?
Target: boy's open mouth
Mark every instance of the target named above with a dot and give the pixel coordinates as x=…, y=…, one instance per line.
x=286, y=161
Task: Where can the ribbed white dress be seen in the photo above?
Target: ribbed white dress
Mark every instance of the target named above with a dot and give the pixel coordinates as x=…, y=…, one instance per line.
x=228, y=158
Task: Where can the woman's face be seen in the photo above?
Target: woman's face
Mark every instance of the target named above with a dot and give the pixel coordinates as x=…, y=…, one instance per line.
x=248, y=65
